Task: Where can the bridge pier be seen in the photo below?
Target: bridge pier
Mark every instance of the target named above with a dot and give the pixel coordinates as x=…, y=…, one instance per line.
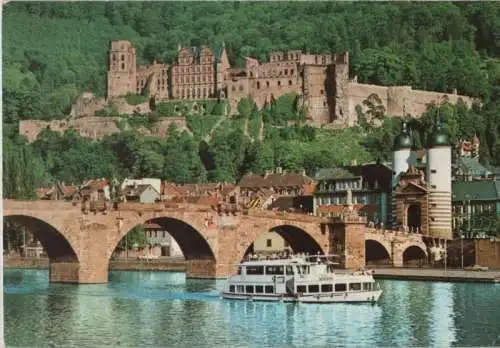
x=204, y=269
x=73, y=272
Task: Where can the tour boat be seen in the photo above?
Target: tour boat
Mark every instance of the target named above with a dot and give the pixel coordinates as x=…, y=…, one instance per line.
x=300, y=279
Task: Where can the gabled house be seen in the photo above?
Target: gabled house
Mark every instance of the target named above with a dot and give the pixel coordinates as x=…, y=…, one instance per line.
x=95, y=190
x=60, y=191
x=141, y=193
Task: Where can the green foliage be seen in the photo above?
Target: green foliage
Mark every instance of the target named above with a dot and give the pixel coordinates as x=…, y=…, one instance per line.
x=108, y=110
x=254, y=125
x=54, y=51
x=201, y=126
x=136, y=238
x=136, y=99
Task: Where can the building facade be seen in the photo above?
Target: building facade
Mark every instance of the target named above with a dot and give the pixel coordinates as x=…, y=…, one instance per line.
x=369, y=186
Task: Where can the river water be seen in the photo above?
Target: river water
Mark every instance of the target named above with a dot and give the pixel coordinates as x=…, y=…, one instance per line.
x=148, y=309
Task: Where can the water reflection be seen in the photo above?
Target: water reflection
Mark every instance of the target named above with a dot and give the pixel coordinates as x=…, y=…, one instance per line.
x=165, y=309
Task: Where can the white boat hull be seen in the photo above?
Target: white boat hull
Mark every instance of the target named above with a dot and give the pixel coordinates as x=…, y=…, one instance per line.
x=351, y=297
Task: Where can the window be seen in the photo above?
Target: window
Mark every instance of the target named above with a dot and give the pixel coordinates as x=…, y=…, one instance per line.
x=433, y=171
x=291, y=72
x=240, y=288
x=255, y=270
x=313, y=288
x=123, y=57
x=279, y=83
x=367, y=286
x=259, y=289
x=326, y=288
x=272, y=270
x=340, y=287
x=269, y=289
x=249, y=289
x=123, y=66
x=258, y=85
x=433, y=205
x=301, y=288
x=267, y=83
x=355, y=286
x=289, y=270
x=433, y=186
x=321, y=92
x=114, y=57
x=269, y=243
x=290, y=82
x=231, y=288
x=286, y=71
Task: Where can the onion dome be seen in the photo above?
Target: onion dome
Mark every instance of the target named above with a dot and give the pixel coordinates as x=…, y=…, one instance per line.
x=439, y=137
x=403, y=140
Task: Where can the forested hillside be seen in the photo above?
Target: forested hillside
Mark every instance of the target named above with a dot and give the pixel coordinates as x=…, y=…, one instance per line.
x=54, y=51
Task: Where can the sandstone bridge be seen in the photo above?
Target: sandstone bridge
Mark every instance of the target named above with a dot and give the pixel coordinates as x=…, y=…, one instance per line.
x=79, y=245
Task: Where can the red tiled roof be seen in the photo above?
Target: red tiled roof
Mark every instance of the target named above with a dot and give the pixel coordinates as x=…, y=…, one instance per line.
x=274, y=180
x=170, y=189
x=97, y=184
x=43, y=191
x=308, y=189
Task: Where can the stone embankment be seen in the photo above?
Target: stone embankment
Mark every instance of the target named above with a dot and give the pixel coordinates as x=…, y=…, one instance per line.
x=440, y=275
x=160, y=265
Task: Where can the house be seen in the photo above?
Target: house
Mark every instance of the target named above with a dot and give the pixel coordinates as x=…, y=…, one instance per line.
x=369, y=184
x=95, y=190
x=156, y=183
x=476, y=207
x=145, y=193
x=60, y=191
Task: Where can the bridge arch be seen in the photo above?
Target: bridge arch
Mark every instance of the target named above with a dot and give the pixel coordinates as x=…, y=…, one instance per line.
x=192, y=242
x=55, y=243
x=414, y=254
x=298, y=239
x=376, y=252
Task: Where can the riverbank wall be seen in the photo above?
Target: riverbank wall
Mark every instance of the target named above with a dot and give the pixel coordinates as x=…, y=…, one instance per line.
x=166, y=265
x=439, y=275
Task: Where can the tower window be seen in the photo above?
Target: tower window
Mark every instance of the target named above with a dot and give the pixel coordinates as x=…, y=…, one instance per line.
x=258, y=85
x=114, y=57
x=123, y=57
x=279, y=83
x=123, y=66
x=289, y=82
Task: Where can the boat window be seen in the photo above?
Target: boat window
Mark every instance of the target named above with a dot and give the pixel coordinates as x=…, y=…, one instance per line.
x=355, y=286
x=301, y=288
x=289, y=270
x=340, y=287
x=249, y=289
x=326, y=288
x=313, y=288
x=259, y=289
x=231, y=288
x=269, y=289
x=367, y=286
x=255, y=270
x=240, y=288
x=274, y=270
x=239, y=269
x=299, y=271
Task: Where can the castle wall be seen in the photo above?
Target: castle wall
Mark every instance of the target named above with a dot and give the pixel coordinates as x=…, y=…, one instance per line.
x=156, y=76
x=87, y=104
x=397, y=98
x=92, y=127
x=315, y=94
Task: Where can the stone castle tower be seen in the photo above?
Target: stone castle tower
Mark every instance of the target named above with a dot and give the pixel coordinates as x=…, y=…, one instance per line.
x=122, y=74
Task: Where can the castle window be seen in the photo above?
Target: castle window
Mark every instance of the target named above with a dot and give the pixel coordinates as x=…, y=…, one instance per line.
x=279, y=83
x=286, y=71
x=316, y=60
x=291, y=72
x=321, y=92
x=123, y=66
x=251, y=74
x=114, y=57
x=199, y=93
x=204, y=92
x=123, y=57
x=258, y=84
x=289, y=82
x=267, y=83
